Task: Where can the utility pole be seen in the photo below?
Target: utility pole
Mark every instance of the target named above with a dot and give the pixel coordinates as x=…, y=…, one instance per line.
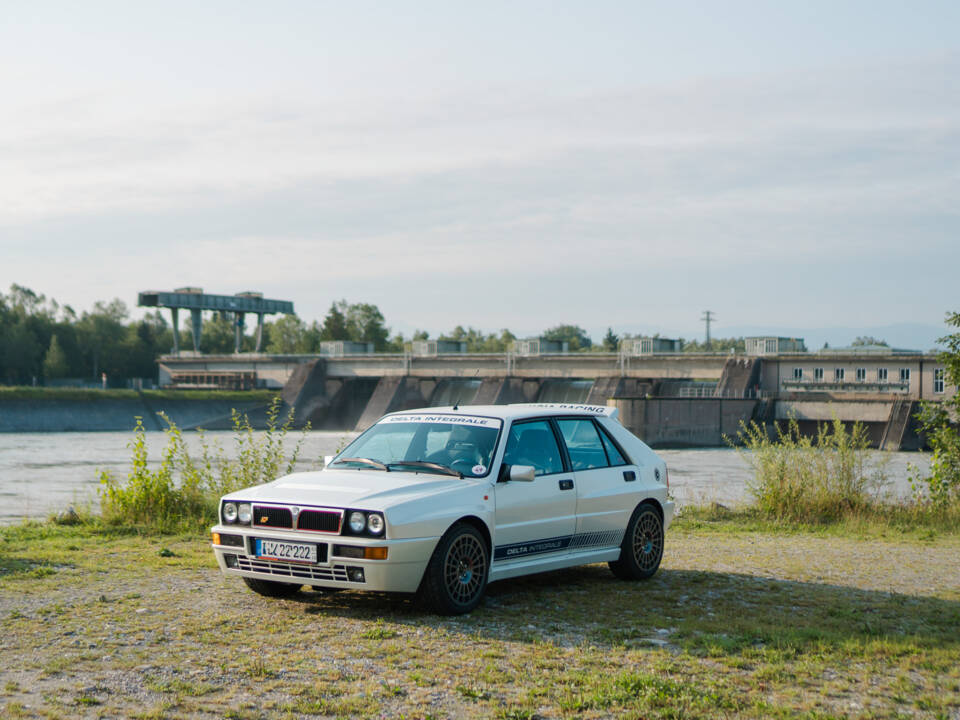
x=708, y=316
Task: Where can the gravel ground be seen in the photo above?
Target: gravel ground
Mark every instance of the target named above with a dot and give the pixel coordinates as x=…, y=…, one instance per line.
x=183, y=641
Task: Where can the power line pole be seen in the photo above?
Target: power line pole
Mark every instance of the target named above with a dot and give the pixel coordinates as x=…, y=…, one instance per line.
x=708, y=316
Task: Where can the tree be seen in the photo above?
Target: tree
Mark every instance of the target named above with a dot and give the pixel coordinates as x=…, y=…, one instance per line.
x=574, y=335
x=101, y=332
x=335, y=323
x=736, y=344
x=943, y=436
x=55, y=361
x=864, y=340
x=365, y=324
x=479, y=342
x=287, y=336
x=611, y=342
x=19, y=354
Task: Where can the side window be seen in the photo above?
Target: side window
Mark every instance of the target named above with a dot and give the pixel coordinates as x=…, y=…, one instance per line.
x=583, y=444
x=614, y=455
x=533, y=443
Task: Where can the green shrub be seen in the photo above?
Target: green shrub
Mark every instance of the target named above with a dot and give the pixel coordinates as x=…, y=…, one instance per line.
x=810, y=480
x=941, y=488
x=183, y=492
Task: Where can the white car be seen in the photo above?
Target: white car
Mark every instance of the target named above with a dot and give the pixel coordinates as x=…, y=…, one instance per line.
x=441, y=501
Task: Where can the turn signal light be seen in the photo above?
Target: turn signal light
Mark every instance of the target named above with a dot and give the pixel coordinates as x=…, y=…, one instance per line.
x=216, y=538
x=375, y=553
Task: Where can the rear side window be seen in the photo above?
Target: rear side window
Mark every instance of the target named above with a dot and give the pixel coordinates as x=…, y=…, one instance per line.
x=584, y=445
x=613, y=454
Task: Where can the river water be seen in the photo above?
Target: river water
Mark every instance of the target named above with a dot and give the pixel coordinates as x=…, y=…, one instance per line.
x=41, y=473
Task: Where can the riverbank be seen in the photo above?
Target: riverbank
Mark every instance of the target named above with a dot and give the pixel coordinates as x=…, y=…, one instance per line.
x=27, y=409
x=737, y=623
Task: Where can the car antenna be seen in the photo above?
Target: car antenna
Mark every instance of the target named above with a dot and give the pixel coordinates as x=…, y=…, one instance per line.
x=456, y=403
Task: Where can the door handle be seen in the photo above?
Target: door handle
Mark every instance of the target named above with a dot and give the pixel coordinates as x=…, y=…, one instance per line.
x=566, y=484
x=629, y=476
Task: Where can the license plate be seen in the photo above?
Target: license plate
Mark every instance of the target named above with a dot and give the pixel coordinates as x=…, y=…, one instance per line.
x=291, y=552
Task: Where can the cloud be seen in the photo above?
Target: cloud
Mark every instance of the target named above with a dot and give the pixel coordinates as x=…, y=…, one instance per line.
x=570, y=205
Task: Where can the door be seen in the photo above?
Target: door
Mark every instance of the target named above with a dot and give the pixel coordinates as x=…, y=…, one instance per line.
x=605, y=482
x=534, y=518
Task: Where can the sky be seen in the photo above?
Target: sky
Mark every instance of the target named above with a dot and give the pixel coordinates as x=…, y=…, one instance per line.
x=494, y=164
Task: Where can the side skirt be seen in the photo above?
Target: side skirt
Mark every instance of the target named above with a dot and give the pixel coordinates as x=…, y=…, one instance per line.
x=501, y=570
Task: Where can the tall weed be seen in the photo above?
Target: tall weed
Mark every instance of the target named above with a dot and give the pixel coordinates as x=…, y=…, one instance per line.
x=811, y=479
x=183, y=491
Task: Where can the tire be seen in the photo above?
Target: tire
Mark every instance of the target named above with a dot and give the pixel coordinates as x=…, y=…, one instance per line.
x=456, y=576
x=642, y=546
x=271, y=588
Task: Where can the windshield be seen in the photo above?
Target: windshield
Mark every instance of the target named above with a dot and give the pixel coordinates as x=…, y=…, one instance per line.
x=464, y=444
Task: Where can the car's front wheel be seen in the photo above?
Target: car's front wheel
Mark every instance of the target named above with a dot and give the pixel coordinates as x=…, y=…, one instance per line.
x=642, y=546
x=456, y=575
x=270, y=588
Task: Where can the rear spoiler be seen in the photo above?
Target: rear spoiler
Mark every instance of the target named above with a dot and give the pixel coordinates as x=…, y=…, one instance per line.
x=606, y=410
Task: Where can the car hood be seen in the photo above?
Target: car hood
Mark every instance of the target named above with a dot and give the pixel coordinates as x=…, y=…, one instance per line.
x=361, y=489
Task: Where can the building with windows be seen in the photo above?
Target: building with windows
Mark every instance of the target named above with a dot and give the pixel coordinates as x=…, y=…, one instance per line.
x=856, y=371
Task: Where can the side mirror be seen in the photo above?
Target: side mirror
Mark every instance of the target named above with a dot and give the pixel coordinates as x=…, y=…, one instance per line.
x=522, y=473
x=327, y=459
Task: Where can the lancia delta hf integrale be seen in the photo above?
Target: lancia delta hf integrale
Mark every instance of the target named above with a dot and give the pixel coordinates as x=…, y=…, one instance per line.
x=441, y=501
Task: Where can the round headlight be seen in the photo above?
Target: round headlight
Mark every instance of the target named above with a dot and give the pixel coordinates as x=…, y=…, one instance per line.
x=244, y=513
x=358, y=521
x=375, y=523
x=229, y=512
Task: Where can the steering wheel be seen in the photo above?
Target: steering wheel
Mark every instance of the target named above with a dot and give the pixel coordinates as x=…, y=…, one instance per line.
x=465, y=466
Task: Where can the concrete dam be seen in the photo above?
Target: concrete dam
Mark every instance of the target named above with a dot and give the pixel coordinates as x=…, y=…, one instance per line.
x=668, y=399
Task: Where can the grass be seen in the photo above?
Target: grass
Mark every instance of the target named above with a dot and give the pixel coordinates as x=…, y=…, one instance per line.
x=741, y=621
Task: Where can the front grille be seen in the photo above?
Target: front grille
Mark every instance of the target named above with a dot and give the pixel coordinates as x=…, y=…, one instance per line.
x=319, y=521
x=293, y=570
x=272, y=517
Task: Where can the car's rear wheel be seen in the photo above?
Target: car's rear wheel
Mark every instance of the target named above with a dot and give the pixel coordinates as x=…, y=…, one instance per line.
x=642, y=546
x=271, y=588
x=456, y=575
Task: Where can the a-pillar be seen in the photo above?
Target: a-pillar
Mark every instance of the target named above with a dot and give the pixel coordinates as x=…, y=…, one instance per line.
x=259, y=331
x=196, y=323
x=175, y=316
x=237, y=330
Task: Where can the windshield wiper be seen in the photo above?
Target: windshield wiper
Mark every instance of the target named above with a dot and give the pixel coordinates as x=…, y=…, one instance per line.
x=366, y=461
x=430, y=465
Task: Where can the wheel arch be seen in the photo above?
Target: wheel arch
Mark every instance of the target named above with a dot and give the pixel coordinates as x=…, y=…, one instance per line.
x=481, y=527
x=656, y=504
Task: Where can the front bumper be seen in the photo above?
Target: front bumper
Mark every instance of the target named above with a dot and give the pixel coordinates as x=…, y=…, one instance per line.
x=400, y=572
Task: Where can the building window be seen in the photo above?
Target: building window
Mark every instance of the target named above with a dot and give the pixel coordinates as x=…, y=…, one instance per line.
x=838, y=374
x=861, y=374
x=905, y=375
x=818, y=373
x=938, y=380
x=798, y=373
x=881, y=375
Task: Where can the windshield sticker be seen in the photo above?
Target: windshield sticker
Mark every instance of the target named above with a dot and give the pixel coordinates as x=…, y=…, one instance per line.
x=479, y=469
x=471, y=420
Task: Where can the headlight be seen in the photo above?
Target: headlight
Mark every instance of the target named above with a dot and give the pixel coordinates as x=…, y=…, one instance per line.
x=229, y=512
x=375, y=523
x=244, y=513
x=358, y=522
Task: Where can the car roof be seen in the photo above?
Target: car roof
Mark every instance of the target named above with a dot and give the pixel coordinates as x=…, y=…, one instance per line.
x=518, y=410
